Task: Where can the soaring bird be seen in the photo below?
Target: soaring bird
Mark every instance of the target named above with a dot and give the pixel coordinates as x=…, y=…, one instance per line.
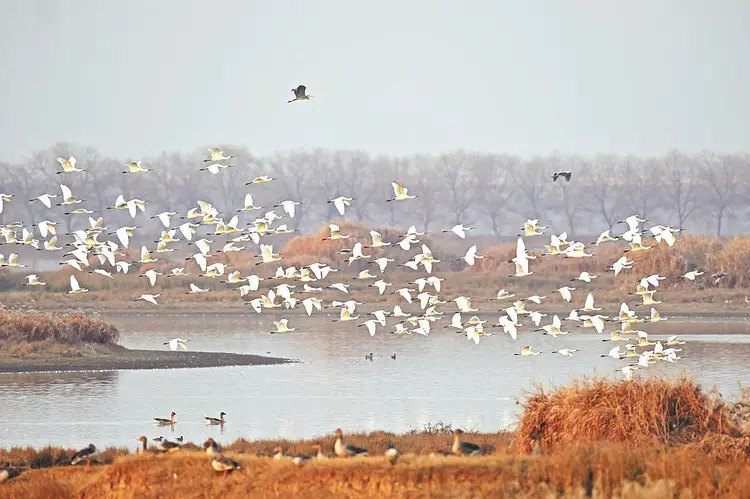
x=566, y=174
x=299, y=94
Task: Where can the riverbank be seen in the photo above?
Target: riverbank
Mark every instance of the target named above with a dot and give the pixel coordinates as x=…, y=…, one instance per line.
x=592, y=438
x=97, y=357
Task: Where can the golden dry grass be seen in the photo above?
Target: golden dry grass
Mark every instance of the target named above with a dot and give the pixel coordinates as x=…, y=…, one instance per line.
x=640, y=413
x=18, y=327
x=602, y=470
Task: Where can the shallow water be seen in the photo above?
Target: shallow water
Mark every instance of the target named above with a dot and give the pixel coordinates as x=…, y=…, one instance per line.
x=442, y=377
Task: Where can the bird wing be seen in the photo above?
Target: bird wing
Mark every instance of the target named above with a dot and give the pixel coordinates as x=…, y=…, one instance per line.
x=589, y=301
x=339, y=204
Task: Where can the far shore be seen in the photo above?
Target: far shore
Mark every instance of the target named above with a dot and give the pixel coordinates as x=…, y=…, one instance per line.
x=90, y=357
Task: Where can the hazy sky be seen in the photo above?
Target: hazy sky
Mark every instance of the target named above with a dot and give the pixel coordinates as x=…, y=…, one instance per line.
x=399, y=76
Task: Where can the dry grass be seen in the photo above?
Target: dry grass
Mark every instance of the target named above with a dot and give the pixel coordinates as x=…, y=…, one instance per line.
x=601, y=439
x=30, y=327
x=604, y=470
x=649, y=412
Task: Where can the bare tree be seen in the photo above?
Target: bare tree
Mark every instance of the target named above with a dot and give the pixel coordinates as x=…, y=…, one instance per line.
x=493, y=173
x=427, y=205
x=349, y=172
x=298, y=172
x=642, y=185
x=453, y=171
x=681, y=185
x=533, y=182
x=603, y=187
x=721, y=175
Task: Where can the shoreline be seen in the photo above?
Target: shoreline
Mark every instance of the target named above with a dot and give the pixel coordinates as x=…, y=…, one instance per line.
x=118, y=358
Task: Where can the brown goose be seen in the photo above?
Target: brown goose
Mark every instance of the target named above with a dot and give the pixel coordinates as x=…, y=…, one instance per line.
x=164, y=421
x=343, y=449
x=461, y=448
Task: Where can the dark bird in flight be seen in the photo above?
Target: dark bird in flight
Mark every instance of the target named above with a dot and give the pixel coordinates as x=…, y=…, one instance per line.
x=557, y=175
x=299, y=94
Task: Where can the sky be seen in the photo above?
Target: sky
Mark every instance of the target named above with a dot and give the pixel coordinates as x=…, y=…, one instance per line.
x=528, y=77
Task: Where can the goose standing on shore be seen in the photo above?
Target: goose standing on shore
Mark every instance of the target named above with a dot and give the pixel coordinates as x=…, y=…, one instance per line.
x=143, y=448
x=212, y=448
x=461, y=448
x=167, y=446
x=320, y=454
x=342, y=449
x=84, y=454
x=224, y=464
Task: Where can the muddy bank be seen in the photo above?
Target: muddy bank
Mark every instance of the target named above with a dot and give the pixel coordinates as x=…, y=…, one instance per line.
x=90, y=357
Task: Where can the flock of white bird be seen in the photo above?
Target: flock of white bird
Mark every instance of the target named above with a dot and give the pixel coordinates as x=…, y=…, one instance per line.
x=310, y=278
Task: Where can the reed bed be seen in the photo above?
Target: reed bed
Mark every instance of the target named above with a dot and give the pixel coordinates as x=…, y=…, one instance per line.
x=18, y=326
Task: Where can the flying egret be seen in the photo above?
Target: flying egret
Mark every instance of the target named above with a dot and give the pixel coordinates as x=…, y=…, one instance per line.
x=400, y=192
x=288, y=206
x=371, y=326
x=585, y=277
x=68, y=165
x=33, y=280
x=690, y=276
x=217, y=155
x=149, y=298
x=196, y=289
x=527, y=351
x=282, y=326
x=135, y=167
x=262, y=179
x=471, y=256
x=459, y=230
x=565, y=293
x=340, y=203
x=44, y=199
x=175, y=343
x=74, y=287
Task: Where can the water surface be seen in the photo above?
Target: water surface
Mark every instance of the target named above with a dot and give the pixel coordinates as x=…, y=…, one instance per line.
x=442, y=377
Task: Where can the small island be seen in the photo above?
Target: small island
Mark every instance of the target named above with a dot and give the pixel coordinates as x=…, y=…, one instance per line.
x=32, y=341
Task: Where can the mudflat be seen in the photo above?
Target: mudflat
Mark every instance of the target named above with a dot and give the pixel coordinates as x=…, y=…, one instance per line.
x=91, y=357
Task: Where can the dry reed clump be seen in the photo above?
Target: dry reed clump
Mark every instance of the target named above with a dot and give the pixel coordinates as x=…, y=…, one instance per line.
x=29, y=327
x=691, y=252
x=311, y=248
x=637, y=412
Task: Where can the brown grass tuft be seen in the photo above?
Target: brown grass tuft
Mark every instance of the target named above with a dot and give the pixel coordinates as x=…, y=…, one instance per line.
x=638, y=412
x=17, y=327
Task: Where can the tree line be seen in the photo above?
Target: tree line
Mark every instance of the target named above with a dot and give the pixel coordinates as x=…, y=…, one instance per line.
x=703, y=192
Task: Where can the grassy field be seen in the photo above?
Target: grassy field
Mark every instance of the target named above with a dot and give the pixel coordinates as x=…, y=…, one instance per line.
x=646, y=438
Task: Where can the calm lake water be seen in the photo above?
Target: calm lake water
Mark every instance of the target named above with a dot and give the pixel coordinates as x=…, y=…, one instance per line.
x=442, y=377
